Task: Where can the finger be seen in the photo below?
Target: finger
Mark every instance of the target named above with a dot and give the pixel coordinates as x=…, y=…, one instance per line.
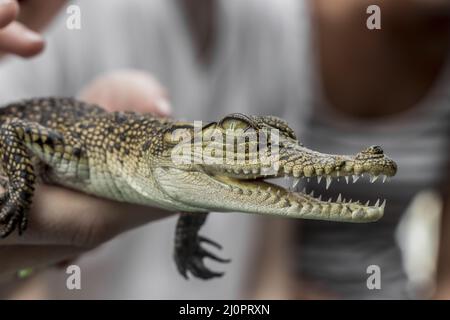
x=9, y=10
x=17, y=39
x=37, y=14
x=159, y=106
x=66, y=217
x=148, y=95
x=129, y=90
x=15, y=258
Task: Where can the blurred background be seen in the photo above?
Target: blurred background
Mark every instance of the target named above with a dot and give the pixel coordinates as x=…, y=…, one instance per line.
x=341, y=86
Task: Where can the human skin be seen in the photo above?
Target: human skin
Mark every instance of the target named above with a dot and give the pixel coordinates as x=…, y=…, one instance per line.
x=386, y=71
x=443, y=270
x=20, y=23
x=65, y=223
x=15, y=37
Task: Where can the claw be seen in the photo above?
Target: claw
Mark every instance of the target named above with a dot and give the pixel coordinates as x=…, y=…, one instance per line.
x=205, y=253
x=199, y=270
x=209, y=241
x=190, y=256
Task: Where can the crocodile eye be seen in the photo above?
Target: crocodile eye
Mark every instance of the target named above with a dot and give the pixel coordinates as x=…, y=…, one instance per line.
x=237, y=121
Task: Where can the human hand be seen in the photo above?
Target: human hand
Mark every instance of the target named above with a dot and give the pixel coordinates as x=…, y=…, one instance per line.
x=64, y=223
x=128, y=90
x=20, y=21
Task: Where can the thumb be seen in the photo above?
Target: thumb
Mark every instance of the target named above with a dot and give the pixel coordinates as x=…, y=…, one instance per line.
x=128, y=90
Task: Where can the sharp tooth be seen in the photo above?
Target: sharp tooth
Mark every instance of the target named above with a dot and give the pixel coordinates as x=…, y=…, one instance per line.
x=377, y=203
x=328, y=182
x=350, y=201
x=319, y=198
x=329, y=200
x=312, y=193
x=307, y=180
x=373, y=179
x=278, y=193
x=344, y=201
x=269, y=189
x=367, y=203
x=339, y=198
x=347, y=179
x=319, y=178
x=296, y=181
x=383, y=204
x=384, y=179
x=355, y=178
x=304, y=190
x=338, y=173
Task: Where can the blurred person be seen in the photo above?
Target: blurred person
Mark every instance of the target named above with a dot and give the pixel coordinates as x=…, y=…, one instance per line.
x=388, y=87
x=216, y=57
x=206, y=59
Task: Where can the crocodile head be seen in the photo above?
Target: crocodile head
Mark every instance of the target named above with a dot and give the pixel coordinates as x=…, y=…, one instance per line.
x=227, y=165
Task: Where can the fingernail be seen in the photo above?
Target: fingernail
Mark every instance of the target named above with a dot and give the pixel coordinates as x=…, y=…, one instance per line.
x=32, y=36
x=164, y=106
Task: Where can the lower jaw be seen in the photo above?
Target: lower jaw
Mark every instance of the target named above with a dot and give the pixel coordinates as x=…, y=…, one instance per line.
x=337, y=207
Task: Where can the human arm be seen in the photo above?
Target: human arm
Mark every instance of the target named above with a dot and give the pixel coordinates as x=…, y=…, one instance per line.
x=443, y=267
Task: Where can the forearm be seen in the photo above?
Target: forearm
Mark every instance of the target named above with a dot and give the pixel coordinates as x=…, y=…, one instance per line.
x=64, y=224
x=65, y=217
x=443, y=269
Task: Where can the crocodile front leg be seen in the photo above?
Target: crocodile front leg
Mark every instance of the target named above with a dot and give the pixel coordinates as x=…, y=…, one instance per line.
x=189, y=253
x=19, y=188
x=20, y=142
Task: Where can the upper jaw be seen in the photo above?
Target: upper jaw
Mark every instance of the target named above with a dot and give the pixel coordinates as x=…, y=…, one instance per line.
x=333, y=167
x=294, y=160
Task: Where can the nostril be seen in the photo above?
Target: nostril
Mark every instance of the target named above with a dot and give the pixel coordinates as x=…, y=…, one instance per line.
x=340, y=164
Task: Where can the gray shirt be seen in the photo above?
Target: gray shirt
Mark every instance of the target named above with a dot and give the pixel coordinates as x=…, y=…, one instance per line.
x=336, y=255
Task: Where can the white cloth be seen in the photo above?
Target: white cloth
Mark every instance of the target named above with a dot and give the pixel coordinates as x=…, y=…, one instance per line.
x=258, y=68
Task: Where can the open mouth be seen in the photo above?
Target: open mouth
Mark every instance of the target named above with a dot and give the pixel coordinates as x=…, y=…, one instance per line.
x=266, y=189
x=304, y=205
x=242, y=185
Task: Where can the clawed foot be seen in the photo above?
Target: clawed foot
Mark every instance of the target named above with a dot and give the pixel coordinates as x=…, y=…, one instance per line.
x=12, y=214
x=189, y=255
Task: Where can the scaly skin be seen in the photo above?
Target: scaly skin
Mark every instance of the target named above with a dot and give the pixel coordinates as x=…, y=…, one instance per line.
x=135, y=158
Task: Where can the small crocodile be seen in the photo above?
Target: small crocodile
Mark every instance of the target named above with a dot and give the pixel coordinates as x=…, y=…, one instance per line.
x=131, y=157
